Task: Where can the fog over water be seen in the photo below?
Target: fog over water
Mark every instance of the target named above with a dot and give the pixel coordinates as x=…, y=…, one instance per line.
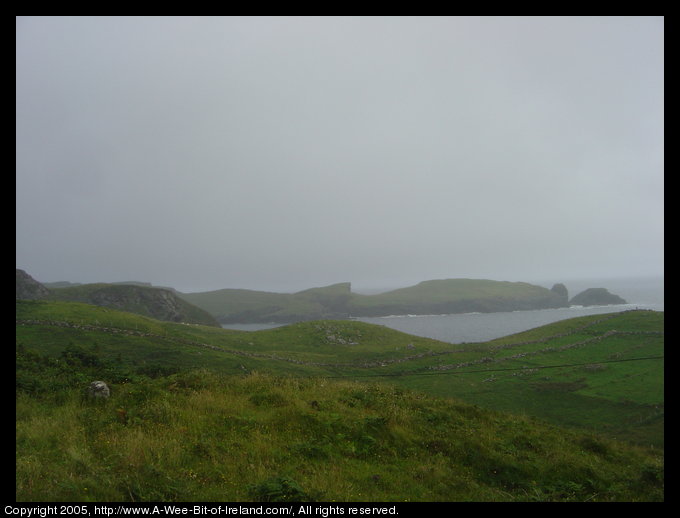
x=283, y=153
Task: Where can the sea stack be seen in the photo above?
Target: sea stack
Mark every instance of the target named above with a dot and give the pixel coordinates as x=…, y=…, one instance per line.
x=596, y=297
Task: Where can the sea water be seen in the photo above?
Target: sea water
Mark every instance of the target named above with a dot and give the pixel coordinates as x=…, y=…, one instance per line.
x=640, y=293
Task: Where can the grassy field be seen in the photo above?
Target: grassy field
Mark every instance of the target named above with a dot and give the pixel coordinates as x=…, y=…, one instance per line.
x=603, y=373
x=335, y=410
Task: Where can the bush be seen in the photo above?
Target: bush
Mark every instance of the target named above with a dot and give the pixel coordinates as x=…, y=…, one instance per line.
x=279, y=489
x=75, y=355
x=268, y=399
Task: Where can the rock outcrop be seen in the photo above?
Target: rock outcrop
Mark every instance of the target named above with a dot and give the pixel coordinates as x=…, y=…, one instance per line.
x=99, y=390
x=29, y=288
x=562, y=292
x=596, y=297
x=157, y=303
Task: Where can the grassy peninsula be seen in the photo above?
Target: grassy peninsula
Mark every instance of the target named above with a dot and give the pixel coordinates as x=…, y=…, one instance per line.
x=456, y=296
x=338, y=301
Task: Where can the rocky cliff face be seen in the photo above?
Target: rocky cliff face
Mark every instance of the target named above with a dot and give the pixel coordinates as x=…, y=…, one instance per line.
x=157, y=303
x=29, y=288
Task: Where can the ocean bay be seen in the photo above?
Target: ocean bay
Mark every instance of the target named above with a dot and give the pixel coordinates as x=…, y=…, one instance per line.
x=481, y=327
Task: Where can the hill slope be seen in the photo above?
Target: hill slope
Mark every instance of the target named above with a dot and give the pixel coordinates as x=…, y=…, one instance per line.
x=232, y=432
x=28, y=288
x=158, y=303
x=602, y=372
x=238, y=306
x=135, y=297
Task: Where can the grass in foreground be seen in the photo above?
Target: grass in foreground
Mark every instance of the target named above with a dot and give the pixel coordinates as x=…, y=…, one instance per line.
x=201, y=436
x=622, y=399
x=186, y=423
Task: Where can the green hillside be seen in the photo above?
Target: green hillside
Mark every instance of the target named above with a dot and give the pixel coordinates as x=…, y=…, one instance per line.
x=603, y=372
x=335, y=410
x=456, y=296
x=159, y=303
x=234, y=305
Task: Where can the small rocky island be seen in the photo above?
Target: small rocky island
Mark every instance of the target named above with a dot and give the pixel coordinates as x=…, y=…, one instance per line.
x=596, y=297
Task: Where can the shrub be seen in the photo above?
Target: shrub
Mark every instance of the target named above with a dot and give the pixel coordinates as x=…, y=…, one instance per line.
x=278, y=489
x=268, y=399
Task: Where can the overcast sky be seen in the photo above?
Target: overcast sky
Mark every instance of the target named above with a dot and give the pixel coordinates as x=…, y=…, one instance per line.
x=286, y=153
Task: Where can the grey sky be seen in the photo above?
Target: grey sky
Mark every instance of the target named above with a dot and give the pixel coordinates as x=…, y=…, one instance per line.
x=286, y=153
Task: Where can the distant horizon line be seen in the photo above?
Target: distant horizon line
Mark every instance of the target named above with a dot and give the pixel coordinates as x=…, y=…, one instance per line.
x=366, y=286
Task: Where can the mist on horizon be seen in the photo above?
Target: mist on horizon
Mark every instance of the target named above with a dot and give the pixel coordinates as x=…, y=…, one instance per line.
x=283, y=153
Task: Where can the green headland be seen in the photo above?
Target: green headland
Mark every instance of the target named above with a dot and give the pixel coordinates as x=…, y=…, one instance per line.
x=338, y=301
